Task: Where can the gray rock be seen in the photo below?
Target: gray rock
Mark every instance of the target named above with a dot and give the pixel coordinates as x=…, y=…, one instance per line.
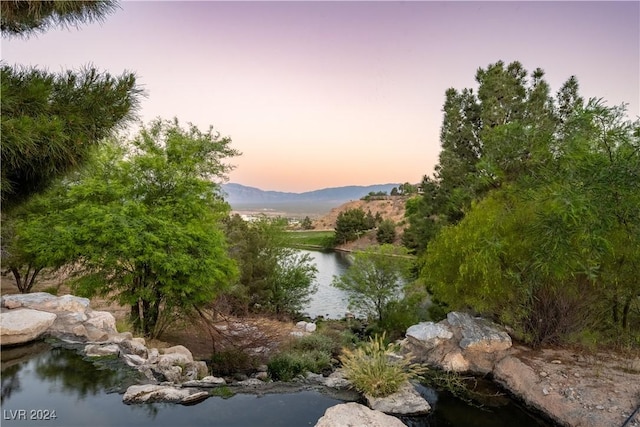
x=157, y=393
x=406, y=401
x=479, y=334
x=24, y=325
x=337, y=380
x=429, y=334
x=102, y=320
x=355, y=415
x=179, y=349
x=95, y=350
x=46, y=302
x=206, y=382
x=310, y=327
x=134, y=347
x=133, y=359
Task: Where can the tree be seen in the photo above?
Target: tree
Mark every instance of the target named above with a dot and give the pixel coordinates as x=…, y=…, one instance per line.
x=351, y=223
x=306, y=223
x=386, y=232
x=489, y=140
x=142, y=222
x=273, y=277
x=50, y=122
x=553, y=256
x=375, y=279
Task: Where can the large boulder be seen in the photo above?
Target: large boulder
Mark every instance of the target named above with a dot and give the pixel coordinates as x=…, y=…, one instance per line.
x=479, y=334
x=460, y=343
x=23, y=325
x=159, y=393
x=406, y=401
x=46, y=302
x=355, y=415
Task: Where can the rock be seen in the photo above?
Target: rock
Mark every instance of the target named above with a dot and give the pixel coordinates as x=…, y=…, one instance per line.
x=310, y=327
x=429, y=334
x=179, y=349
x=174, y=359
x=337, y=380
x=262, y=376
x=479, y=334
x=134, y=347
x=355, y=415
x=24, y=325
x=46, y=302
x=94, y=350
x=157, y=393
x=297, y=334
x=250, y=382
x=454, y=361
x=118, y=337
x=206, y=382
x=406, y=401
x=102, y=320
x=133, y=359
x=153, y=356
x=301, y=325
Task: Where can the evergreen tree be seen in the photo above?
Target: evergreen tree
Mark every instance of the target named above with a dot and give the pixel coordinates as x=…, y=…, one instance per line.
x=50, y=122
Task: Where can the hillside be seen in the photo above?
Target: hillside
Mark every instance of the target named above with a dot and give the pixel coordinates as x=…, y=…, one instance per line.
x=242, y=197
x=392, y=208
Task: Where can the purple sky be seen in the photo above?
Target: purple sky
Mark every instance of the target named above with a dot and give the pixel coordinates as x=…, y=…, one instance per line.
x=324, y=94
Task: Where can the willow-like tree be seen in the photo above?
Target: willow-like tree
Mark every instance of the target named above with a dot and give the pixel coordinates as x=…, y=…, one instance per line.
x=142, y=223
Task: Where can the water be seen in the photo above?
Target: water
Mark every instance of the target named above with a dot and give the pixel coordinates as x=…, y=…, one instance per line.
x=59, y=380
x=38, y=380
x=328, y=301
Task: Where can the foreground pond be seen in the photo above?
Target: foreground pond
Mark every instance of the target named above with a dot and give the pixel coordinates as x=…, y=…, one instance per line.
x=40, y=382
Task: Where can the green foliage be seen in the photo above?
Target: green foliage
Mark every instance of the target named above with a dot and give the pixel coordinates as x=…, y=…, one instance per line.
x=141, y=223
x=374, y=279
x=375, y=195
x=306, y=223
x=374, y=369
x=232, y=361
x=24, y=18
x=316, y=239
x=317, y=342
x=557, y=255
x=224, y=392
x=273, y=277
x=350, y=225
x=286, y=367
x=386, y=232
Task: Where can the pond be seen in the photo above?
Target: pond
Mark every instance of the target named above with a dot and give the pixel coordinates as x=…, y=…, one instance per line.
x=55, y=386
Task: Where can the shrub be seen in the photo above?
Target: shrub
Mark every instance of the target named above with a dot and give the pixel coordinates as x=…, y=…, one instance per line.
x=231, y=361
x=286, y=366
x=316, y=342
x=373, y=368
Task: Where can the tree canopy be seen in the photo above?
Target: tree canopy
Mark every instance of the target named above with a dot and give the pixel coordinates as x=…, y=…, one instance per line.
x=142, y=221
x=25, y=18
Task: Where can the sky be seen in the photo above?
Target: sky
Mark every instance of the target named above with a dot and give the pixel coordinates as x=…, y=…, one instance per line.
x=328, y=94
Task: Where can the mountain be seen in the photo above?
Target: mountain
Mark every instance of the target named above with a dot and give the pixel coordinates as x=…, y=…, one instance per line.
x=243, y=197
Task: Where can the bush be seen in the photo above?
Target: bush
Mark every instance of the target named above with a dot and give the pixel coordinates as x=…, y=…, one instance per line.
x=231, y=361
x=287, y=366
x=373, y=369
x=316, y=342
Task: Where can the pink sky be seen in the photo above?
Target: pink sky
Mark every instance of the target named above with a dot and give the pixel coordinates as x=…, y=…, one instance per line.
x=325, y=94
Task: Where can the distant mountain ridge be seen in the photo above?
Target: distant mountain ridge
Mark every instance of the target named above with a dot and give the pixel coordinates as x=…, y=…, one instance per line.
x=238, y=195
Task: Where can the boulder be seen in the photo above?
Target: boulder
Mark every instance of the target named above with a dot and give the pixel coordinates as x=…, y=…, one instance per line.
x=355, y=415
x=46, y=302
x=406, y=401
x=23, y=325
x=429, y=334
x=157, y=393
x=479, y=334
x=133, y=346
x=95, y=350
x=206, y=382
x=179, y=349
x=310, y=327
x=102, y=320
x=337, y=380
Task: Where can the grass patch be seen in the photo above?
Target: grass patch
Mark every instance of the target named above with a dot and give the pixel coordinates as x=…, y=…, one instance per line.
x=222, y=391
x=311, y=239
x=374, y=369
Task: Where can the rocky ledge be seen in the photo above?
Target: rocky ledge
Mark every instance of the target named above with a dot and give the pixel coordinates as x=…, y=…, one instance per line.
x=572, y=389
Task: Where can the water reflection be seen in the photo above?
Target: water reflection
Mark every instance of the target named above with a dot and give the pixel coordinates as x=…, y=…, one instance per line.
x=328, y=301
